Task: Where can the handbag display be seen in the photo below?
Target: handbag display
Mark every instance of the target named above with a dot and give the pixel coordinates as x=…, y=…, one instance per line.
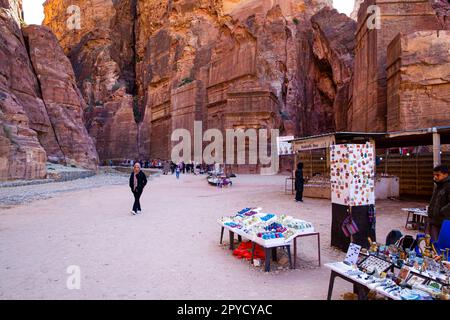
x=349, y=226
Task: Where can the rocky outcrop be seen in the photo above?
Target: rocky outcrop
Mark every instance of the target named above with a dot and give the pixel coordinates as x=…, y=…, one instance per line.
x=333, y=48
x=28, y=137
x=21, y=154
x=230, y=63
x=419, y=80
x=239, y=64
x=369, y=107
x=63, y=101
x=98, y=38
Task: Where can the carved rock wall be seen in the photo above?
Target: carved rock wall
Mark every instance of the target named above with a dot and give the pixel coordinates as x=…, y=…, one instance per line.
x=419, y=80
x=369, y=108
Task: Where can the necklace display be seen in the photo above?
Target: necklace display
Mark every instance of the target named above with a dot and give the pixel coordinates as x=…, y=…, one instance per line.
x=266, y=227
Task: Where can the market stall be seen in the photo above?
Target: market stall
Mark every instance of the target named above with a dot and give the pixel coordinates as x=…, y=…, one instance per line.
x=394, y=272
x=268, y=230
x=352, y=194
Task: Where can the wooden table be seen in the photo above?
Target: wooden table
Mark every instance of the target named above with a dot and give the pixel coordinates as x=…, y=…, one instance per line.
x=418, y=220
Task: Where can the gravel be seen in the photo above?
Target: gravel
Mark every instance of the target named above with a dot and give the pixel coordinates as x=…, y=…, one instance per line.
x=14, y=195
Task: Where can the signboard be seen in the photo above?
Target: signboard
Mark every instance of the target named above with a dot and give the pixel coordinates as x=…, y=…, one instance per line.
x=285, y=147
x=353, y=174
x=314, y=143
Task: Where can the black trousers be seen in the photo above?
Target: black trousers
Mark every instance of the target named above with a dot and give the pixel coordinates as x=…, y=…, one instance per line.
x=137, y=205
x=299, y=194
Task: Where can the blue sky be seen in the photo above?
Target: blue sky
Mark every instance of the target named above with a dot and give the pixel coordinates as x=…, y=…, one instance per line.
x=34, y=12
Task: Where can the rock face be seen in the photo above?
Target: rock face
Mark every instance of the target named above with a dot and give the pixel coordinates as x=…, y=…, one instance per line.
x=21, y=156
x=419, y=80
x=369, y=108
x=63, y=101
x=28, y=137
x=98, y=38
x=230, y=64
x=333, y=48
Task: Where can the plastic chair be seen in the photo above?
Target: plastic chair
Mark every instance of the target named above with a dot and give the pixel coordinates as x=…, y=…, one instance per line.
x=444, y=237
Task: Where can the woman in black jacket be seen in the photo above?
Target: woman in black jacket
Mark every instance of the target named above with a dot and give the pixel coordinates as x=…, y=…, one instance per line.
x=299, y=182
x=138, y=180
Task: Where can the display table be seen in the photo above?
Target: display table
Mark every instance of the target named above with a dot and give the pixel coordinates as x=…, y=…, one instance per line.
x=416, y=285
x=418, y=219
x=360, y=286
x=252, y=228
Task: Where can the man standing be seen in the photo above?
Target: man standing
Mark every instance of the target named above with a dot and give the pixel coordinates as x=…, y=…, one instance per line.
x=299, y=182
x=439, y=208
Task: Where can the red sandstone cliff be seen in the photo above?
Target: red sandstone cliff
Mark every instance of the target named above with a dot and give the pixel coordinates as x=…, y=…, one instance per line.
x=369, y=110
x=35, y=126
x=231, y=64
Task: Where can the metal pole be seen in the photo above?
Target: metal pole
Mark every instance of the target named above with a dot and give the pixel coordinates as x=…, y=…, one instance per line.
x=436, y=148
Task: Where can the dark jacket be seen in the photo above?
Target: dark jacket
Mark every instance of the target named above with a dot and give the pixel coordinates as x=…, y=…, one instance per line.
x=299, y=180
x=141, y=179
x=439, y=208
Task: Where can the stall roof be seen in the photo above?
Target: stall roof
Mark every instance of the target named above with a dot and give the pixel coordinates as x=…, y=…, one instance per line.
x=398, y=139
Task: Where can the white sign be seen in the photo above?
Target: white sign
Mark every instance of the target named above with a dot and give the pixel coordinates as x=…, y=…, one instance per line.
x=352, y=254
x=285, y=147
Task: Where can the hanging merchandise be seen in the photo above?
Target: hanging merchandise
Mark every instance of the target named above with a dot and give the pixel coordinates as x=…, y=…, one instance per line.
x=372, y=217
x=349, y=226
x=352, y=174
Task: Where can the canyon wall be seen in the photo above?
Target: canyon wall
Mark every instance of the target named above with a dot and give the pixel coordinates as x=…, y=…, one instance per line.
x=34, y=107
x=369, y=108
x=98, y=38
x=418, y=93
x=231, y=64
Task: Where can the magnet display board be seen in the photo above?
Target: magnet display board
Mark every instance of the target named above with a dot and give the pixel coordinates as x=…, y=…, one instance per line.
x=353, y=174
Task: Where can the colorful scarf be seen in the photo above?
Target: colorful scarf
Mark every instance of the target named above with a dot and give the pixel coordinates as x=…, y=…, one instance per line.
x=135, y=182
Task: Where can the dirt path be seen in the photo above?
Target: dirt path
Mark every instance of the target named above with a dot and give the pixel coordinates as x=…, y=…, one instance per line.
x=169, y=252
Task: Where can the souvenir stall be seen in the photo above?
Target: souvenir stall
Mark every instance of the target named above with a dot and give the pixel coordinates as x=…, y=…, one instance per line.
x=397, y=272
x=352, y=194
x=268, y=230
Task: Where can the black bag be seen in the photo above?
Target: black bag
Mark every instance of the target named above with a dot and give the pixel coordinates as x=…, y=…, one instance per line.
x=393, y=237
x=407, y=242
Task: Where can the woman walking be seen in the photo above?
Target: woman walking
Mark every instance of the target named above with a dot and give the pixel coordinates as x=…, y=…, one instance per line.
x=299, y=182
x=138, y=180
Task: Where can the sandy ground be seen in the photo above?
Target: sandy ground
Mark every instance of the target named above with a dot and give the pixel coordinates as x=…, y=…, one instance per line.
x=171, y=251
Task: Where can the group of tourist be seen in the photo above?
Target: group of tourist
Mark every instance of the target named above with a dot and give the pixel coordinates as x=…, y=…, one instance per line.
x=155, y=163
x=182, y=167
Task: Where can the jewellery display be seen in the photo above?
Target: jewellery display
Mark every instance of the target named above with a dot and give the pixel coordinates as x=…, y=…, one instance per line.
x=266, y=228
x=373, y=262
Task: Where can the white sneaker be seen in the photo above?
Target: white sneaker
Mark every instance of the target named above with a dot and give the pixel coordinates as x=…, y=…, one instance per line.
x=133, y=213
x=139, y=212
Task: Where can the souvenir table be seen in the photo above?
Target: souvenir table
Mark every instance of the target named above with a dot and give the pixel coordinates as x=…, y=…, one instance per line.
x=268, y=230
x=417, y=285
